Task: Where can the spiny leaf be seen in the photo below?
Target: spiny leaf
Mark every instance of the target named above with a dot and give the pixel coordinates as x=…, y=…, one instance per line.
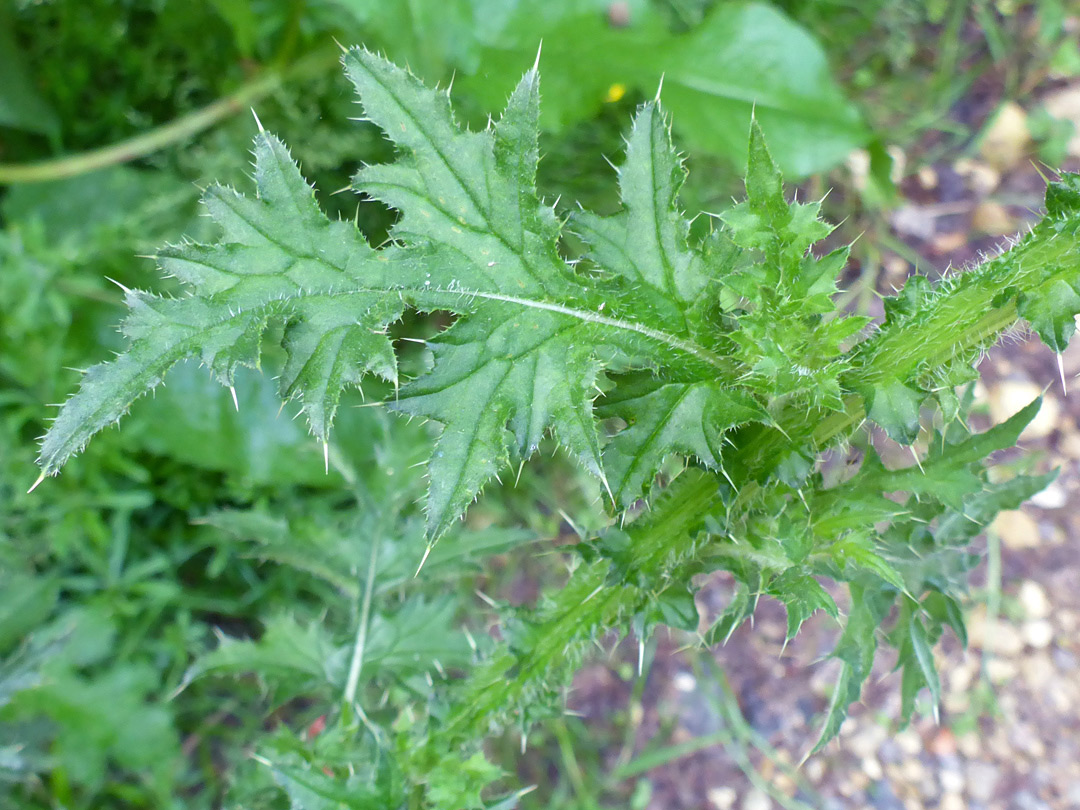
x=855, y=649
x=532, y=335
x=894, y=406
x=279, y=258
x=1052, y=313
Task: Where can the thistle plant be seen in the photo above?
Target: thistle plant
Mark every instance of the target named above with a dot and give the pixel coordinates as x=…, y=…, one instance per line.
x=699, y=379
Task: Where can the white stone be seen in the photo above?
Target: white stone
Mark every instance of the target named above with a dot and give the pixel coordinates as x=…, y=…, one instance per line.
x=1010, y=396
x=910, y=742
x=685, y=682
x=951, y=781
x=1017, y=529
x=722, y=798
x=1053, y=497
x=1034, y=600
x=756, y=800
x=1038, y=633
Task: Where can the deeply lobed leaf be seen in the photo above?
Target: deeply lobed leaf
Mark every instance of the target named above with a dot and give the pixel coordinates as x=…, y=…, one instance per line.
x=532, y=334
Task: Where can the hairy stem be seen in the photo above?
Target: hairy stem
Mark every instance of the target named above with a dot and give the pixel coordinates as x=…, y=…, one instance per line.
x=959, y=321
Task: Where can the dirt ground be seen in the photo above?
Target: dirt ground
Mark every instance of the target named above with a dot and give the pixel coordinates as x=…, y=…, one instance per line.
x=1009, y=730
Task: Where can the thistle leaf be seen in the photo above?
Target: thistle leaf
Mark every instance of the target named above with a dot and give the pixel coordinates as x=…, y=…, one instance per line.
x=532, y=334
x=279, y=258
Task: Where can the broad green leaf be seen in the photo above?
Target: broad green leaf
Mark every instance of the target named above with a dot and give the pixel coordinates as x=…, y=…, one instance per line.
x=750, y=57
x=1063, y=196
x=742, y=59
x=646, y=245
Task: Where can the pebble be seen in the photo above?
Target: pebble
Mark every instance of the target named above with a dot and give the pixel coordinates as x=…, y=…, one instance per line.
x=981, y=780
x=1069, y=447
x=1026, y=800
x=1038, y=633
x=981, y=178
x=1017, y=529
x=910, y=742
x=1037, y=671
x=1064, y=104
x=969, y=745
x=756, y=800
x=993, y=219
x=960, y=677
x=814, y=769
x=998, y=637
x=1010, y=396
x=1053, y=497
x=866, y=741
x=1024, y=739
x=952, y=781
x=1000, y=670
x=1073, y=796
x=943, y=743
x=883, y=796
x=684, y=682
x=1005, y=142
x=1064, y=660
x=913, y=771
x=872, y=768
x=858, y=163
x=722, y=798
x=913, y=220
x=948, y=242
x=1034, y=600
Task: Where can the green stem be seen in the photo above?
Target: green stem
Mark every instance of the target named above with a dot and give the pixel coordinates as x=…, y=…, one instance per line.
x=175, y=131
x=357, y=662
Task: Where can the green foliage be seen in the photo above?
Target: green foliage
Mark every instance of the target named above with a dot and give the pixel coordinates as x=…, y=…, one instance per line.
x=725, y=351
x=714, y=75
x=206, y=611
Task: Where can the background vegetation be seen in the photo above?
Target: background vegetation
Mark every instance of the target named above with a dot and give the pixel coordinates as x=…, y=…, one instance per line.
x=190, y=586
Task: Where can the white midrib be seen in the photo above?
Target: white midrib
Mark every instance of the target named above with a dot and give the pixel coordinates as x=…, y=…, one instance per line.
x=685, y=346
